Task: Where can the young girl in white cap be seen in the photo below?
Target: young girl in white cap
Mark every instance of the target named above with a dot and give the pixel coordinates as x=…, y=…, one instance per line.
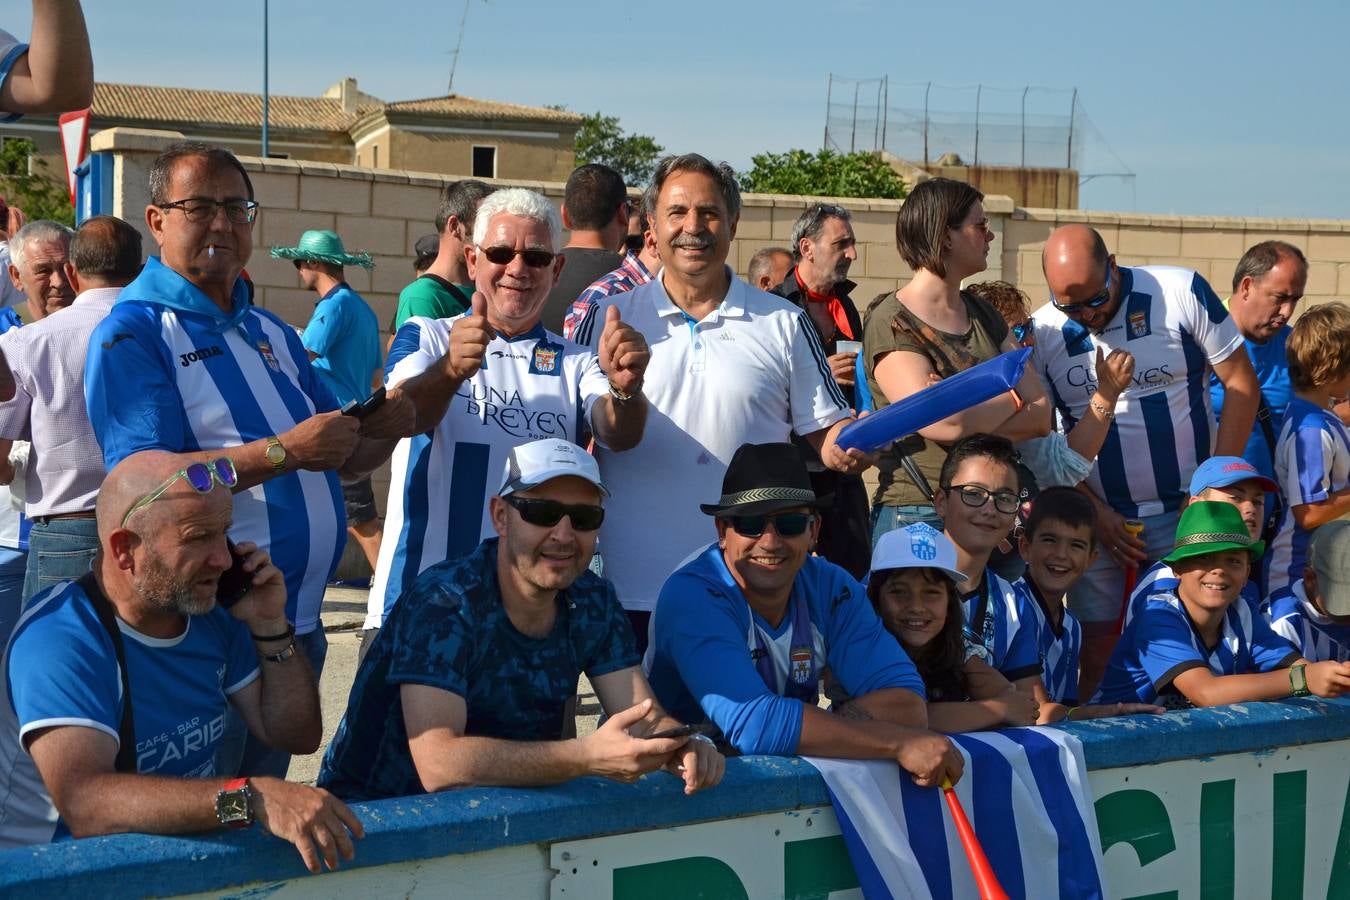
x=913, y=589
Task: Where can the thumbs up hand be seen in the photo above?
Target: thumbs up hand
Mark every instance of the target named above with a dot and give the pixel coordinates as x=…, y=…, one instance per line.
x=624, y=353
x=469, y=338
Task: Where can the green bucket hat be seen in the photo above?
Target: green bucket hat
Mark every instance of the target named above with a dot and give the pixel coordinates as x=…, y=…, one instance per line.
x=1208, y=527
x=323, y=246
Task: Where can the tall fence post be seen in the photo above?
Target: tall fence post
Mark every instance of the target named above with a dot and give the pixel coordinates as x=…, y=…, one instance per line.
x=925, y=122
x=1024, y=125
x=829, y=93
x=885, y=107
x=979, y=88
x=1068, y=156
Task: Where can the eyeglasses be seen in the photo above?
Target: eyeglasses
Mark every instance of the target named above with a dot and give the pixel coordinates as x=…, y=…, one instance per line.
x=1100, y=299
x=200, y=209
x=786, y=524
x=501, y=256
x=1021, y=330
x=548, y=513
x=975, y=496
x=202, y=477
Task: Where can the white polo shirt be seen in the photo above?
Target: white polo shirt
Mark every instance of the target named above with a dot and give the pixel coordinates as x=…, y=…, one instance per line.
x=751, y=371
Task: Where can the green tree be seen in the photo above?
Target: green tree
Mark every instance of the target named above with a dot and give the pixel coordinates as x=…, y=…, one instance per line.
x=601, y=140
x=30, y=185
x=823, y=174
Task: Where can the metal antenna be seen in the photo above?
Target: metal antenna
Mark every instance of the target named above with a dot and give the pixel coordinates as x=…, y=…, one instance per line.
x=459, y=42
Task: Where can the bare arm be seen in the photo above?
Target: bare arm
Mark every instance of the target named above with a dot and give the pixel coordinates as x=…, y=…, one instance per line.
x=76, y=765
x=446, y=758
x=57, y=72
x=1203, y=688
x=1241, y=399
x=928, y=757
x=1313, y=515
x=618, y=424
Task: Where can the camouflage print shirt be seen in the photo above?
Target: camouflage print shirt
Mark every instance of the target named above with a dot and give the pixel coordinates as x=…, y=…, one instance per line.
x=450, y=631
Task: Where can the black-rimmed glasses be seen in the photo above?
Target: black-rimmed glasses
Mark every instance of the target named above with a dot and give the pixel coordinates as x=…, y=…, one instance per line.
x=975, y=496
x=201, y=209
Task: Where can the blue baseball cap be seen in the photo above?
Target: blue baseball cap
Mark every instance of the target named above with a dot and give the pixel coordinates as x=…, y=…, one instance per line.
x=1221, y=471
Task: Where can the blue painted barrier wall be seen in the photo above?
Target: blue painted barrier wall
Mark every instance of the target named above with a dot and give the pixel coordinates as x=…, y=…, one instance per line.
x=474, y=820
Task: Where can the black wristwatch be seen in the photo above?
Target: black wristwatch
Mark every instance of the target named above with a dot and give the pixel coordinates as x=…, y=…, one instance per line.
x=234, y=804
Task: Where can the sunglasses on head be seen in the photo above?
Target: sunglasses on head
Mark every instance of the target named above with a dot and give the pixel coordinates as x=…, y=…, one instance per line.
x=1099, y=299
x=202, y=477
x=501, y=256
x=786, y=524
x=548, y=513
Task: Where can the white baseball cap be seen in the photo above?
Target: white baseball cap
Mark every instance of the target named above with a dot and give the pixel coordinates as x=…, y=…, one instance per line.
x=917, y=546
x=530, y=465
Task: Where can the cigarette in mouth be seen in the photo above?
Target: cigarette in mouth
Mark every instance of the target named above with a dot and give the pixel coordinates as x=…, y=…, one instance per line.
x=211, y=251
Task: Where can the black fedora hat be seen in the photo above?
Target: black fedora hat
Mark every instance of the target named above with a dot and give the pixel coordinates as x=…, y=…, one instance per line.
x=764, y=478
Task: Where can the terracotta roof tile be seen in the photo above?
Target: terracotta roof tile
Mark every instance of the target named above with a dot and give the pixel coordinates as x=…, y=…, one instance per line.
x=149, y=103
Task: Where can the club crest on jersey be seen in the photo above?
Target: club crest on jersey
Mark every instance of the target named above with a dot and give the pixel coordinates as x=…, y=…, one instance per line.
x=547, y=359
x=268, y=356
x=1138, y=324
x=800, y=665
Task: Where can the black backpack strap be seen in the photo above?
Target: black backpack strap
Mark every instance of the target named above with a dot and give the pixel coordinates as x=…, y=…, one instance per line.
x=1263, y=419
x=126, y=729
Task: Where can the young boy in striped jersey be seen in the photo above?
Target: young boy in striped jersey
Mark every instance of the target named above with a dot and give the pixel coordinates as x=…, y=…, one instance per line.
x=977, y=499
x=1312, y=456
x=1200, y=645
x=1314, y=613
x=1058, y=545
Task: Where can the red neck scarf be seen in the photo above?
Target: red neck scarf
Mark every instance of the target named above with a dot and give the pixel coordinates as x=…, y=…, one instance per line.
x=832, y=304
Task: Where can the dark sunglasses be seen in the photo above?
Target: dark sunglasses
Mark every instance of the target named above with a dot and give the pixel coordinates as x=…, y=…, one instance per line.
x=501, y=256
x=1099, y=299
x=547, y=513
x=975, y=496
x=786, y=524
x=201, y=476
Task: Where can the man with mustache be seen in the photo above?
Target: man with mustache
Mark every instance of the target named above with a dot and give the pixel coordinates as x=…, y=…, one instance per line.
x=1267, y=285
x=730, y=365
x=823, y=249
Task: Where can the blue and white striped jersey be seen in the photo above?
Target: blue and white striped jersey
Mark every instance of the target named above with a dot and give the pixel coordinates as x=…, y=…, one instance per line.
x=1176, y=328
x=167, y=370
x=1059, y=650
x=1318, y=637
x=997, y=616
x=1312, y=462
x=534, y=386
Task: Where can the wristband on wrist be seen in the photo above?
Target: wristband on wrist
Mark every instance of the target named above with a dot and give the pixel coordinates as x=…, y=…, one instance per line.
x=620, y=395
x=1068, y=715
x=264, y=638
x=280, y=657
x=1298, y=680
x=1018, y=402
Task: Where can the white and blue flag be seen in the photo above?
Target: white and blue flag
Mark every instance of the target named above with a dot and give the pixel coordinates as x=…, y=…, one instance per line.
x=1025, y=792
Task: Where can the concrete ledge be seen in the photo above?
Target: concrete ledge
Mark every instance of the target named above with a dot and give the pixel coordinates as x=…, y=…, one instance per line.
x=475, y=820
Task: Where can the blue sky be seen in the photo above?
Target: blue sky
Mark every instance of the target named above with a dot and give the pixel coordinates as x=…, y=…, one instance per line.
x=1229, y=108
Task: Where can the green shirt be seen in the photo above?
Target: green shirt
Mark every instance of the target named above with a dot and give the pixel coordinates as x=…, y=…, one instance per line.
x=887, y=327
x=433, y=297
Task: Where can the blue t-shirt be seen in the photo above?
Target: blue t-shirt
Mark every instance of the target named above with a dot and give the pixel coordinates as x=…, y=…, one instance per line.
x=450, y=631
x=168, y=371
x=1316, y=635
x=346, y=336
x=1000, y=619
x=701, y=663
x=1058, y=649
x=1161, y=642
x=1272, y=373
x=61, y=669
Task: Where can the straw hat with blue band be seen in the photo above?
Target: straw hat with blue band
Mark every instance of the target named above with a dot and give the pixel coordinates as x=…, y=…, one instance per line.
x=1211, y=527
x=323, y=246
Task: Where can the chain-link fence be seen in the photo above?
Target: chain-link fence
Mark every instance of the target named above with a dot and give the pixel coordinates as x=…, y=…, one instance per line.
x=922, y=122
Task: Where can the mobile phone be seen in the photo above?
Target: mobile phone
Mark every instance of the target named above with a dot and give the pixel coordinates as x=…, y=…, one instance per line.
x=366, y=406
x=681, y=731
x=234, y=582
x=853, y=347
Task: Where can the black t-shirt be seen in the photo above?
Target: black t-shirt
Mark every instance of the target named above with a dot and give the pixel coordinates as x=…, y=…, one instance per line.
x=582, y=268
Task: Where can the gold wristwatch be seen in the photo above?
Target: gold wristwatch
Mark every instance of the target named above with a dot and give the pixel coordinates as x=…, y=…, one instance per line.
x=276, y=454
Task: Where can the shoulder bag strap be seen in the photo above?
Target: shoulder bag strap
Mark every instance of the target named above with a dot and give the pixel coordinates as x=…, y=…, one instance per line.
x=126, y=730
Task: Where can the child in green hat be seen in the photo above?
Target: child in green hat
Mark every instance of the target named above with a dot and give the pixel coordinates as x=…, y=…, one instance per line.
x=1201, y=644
